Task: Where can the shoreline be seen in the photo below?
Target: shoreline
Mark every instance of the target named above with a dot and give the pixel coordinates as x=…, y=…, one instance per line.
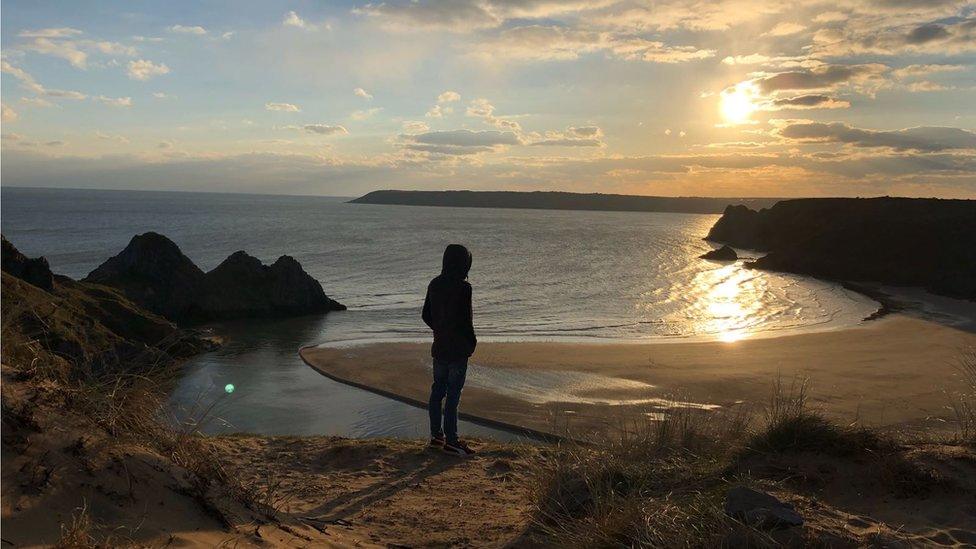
x=891, y=372
x=513, y=428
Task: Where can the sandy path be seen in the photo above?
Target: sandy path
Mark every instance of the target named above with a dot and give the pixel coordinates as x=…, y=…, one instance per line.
x=379, y=491
x=893, y=371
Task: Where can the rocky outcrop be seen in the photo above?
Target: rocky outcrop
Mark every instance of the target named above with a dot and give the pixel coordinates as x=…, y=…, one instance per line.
x=241, y=286
x=35, y=271
x=154, y=272
x=725, y=253
x=899, y=241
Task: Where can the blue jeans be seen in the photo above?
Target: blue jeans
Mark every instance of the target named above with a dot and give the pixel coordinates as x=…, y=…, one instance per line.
x=448, y=382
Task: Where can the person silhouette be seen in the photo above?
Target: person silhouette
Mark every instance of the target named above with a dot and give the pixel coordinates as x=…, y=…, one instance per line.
x=447, y=311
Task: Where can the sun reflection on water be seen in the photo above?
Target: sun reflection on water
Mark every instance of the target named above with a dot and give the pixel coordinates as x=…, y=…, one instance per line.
x=730, y=299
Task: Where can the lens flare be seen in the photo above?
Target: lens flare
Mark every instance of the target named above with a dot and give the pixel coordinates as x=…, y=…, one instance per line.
x=229, y=388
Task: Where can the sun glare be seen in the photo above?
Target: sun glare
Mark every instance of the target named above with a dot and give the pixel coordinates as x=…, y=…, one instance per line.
x=737, y=105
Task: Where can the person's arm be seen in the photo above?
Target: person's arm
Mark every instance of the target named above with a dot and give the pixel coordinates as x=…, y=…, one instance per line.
x=425, y=314
x=469, y=317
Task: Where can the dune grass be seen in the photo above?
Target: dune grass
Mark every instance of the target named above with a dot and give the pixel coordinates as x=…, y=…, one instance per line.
x=963, y=399
x=663, y=483
x=655, y=483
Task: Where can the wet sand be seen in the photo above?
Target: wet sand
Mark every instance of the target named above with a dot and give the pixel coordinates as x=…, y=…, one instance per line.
x=889, y=372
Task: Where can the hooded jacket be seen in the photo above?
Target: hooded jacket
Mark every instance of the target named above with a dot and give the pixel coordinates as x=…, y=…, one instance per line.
x=447, y=307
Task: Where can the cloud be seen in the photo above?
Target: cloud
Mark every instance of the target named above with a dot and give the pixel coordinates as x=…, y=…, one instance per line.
x=64, y=43
x=415, y=126
x=922, y=138
x=162, y=95
x=809, y=101
x=467, y=138
x=830, y=17
x=915, y=71
x=110, y=48
x=574, y=136
x=36, y=102
x=438, y=111
x=785, y=29
x=292, y=19
x=64, y=49
x=751, y=59
x=448, y=97
x=457, y=16
x=850, y=173
x=691, y=15
x=567, y=142
x=9, y=115
x=60, y=32
x=364, y=114
x=927, y=33
x=584, y=131
x=542, y=43
x=26, y=80
x=946, y=36
x=143, y=69
x=165, y=145
x=458, y=142
x=482, y=108
x=926, y=86
x=468, y=15
x=325, y=129
x=28, y=83
x=114, y=101
x=359, y=92
x=184, y=29
x=65, y=94
x=286, y=107
x=824, y=77
x=112, y=137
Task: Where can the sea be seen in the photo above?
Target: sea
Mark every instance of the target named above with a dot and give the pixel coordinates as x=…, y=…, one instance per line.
x=537, y=275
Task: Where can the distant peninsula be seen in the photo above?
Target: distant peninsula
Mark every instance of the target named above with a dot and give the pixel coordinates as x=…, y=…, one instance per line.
x=553, y=200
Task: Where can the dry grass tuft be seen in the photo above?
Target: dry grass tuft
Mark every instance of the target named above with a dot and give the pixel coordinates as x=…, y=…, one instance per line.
x=77, y=534
x=790, y=425
x=657, y=484
x=963, y=400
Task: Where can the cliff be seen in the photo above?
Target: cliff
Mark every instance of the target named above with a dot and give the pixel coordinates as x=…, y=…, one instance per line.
x=550, y=200
x=153, y=272
x=899, y=241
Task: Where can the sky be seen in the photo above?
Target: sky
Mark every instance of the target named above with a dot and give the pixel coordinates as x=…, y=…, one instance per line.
x=652, y=97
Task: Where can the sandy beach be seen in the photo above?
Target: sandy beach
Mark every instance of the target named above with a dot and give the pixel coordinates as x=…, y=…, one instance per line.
x=892, y=372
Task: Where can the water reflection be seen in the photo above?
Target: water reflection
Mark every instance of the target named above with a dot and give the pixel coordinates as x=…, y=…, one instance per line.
x=731, y=301
x=275, y=393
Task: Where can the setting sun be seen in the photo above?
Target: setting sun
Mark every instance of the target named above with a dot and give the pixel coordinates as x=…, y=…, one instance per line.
x=737, y=104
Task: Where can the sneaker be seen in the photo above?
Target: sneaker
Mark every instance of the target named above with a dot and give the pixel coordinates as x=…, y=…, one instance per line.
x=436, y=442
x=458, y=449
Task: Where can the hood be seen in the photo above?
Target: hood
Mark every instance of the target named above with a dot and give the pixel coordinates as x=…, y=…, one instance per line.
x=457, y=262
